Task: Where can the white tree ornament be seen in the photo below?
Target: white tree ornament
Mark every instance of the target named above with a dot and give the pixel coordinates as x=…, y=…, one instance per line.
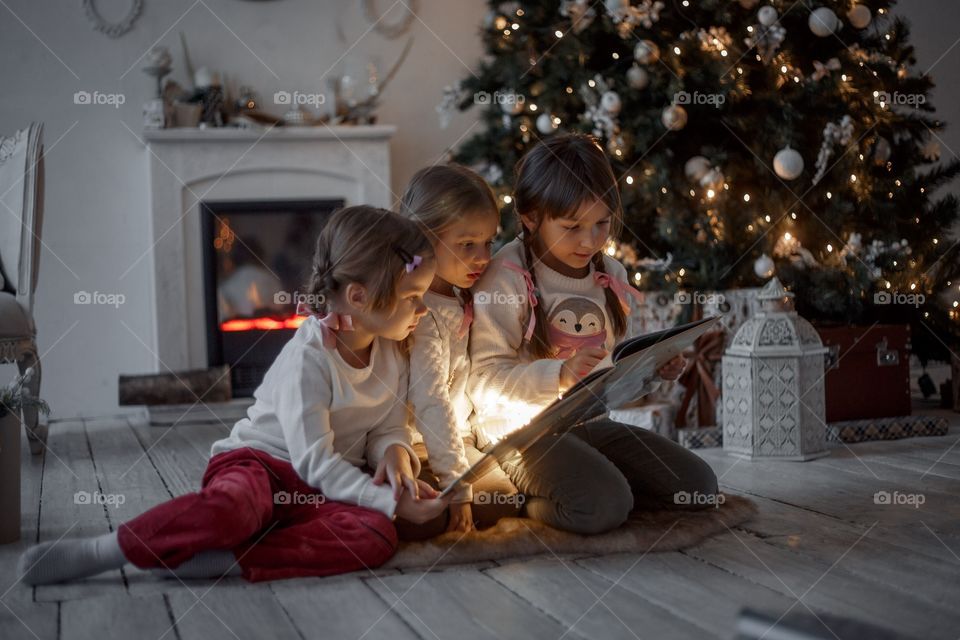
x=637, y=77
x=646, y=52
x=823, y=22
x=859, y=16
x=788, y=164
x=767, y=15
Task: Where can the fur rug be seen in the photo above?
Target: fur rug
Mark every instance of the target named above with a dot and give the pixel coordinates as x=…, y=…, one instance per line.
x=517, y=537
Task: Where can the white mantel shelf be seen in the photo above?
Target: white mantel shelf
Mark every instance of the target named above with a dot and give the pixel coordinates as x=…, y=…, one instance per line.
x=236, y=134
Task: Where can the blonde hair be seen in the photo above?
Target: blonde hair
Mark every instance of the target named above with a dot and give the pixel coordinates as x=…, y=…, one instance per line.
x=367, y=245
x=553, y=180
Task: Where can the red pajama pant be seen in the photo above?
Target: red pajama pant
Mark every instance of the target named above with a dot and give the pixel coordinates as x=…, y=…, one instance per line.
x=276, y=524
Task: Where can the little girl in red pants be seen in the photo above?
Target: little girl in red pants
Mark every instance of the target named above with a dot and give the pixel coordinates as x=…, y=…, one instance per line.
x=286, y=494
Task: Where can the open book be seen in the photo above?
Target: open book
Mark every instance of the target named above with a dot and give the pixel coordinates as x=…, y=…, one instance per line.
x=633, y=375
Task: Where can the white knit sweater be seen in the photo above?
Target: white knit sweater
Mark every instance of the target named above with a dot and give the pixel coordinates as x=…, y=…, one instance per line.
x=329, y=419
x=507, y=385
x=439, y=368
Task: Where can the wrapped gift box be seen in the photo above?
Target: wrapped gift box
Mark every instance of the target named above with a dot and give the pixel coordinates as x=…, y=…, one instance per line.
x=886, y=428
x=700, y=437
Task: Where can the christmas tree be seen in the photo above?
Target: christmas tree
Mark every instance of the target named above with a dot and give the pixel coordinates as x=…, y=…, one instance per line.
x=791, y=138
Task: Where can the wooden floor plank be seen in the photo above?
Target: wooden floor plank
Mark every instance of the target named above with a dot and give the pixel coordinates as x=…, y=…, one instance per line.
x=473, y=604
x=343, y=607
x=699, y=592
x=592, y=605
x=909, y=461
x=909, y=480
x=822, y=488
x=826, y=587
x=180, y=462
x=67, y=508
x=116, y=617
x=931, y=579
x=125, y=469
x=29, y=620
x=226, y=612
x=777, y=519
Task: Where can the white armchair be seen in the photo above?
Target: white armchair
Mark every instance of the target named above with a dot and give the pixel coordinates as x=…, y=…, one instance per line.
x=21, y=220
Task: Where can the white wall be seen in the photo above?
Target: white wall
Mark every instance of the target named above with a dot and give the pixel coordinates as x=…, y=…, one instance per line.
x=97, y=169
x=96, y=223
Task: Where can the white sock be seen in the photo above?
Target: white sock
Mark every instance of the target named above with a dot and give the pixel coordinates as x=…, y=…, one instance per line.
x=70, y=559
x=206, y=564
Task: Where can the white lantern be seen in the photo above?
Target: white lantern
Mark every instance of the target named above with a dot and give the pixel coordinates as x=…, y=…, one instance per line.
x=773, y=389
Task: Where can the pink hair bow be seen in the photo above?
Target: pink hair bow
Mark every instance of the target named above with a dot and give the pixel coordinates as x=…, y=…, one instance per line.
x=531, y=295
x=330, y=323
x=620, y=288
x=415, y=262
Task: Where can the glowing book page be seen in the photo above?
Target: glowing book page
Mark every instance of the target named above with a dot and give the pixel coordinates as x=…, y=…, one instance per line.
x=632, y=376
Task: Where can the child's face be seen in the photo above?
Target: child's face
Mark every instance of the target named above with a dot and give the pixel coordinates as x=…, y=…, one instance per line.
x=574, y=241
x=463, y=249
x=400, y=321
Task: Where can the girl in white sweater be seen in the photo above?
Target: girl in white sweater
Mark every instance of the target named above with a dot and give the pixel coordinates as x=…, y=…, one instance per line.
x=287, y=493
x=458, y=212
x=548, y=311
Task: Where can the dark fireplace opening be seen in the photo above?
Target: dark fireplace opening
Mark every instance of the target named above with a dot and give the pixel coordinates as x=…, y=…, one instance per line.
x=256, y=260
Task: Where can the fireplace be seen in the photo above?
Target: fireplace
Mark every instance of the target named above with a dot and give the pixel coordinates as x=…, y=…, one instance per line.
x=256, y=260
x=191, y=166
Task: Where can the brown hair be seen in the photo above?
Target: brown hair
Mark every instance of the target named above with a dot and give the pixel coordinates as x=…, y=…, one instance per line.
x=553, y=180
x=366, y=245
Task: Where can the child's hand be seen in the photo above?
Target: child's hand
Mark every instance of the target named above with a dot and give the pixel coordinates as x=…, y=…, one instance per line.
x=673, y=369
x=396, y=469
x=461, y=517
x=579, y=365
x=420, y=510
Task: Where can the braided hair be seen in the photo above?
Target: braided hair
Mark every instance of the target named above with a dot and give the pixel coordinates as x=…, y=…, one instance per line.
x=553, y=180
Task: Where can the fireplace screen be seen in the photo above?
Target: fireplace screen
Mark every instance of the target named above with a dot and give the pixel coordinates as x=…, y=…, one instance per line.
x=257, y=258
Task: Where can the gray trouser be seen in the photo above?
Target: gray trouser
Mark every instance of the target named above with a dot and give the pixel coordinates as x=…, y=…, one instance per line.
x=589, y=479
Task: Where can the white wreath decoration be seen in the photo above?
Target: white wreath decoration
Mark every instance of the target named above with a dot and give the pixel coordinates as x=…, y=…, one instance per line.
x=390, y=31
x=112, y=29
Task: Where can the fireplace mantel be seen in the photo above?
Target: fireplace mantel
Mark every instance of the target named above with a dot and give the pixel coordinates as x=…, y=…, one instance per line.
x=274, y=134
x=188, y=166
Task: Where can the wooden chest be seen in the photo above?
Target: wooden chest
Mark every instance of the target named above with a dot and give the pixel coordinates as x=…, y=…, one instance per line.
x=868, y=371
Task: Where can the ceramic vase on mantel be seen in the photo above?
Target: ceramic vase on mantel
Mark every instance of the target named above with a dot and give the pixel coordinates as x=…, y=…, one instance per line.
x=773, y=384
x=10, y=427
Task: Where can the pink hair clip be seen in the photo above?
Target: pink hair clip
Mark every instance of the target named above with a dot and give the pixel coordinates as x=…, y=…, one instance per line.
x=410, y=261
